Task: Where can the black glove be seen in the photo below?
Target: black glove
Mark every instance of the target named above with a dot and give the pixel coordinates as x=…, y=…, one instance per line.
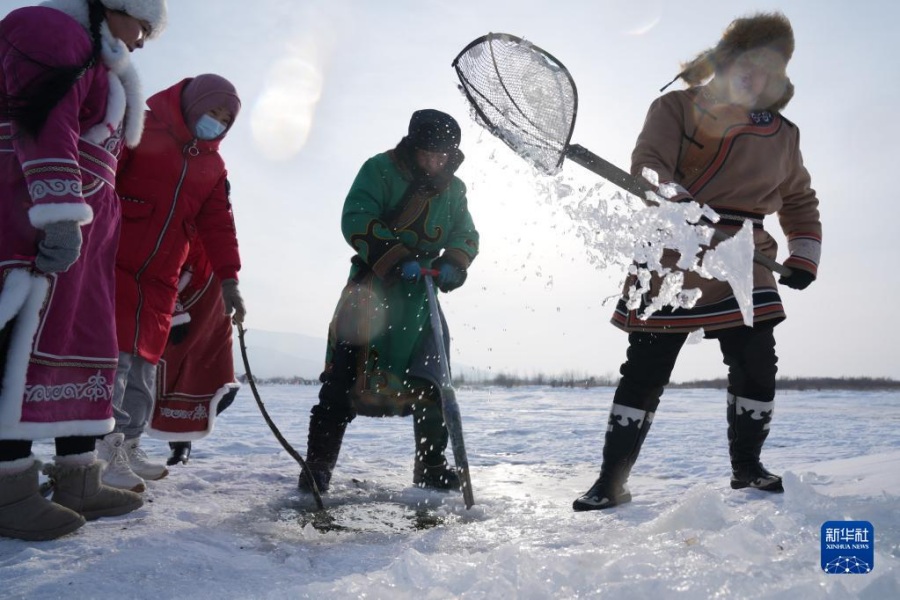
x=450, y=276
x=798, y=279
x=178, y=333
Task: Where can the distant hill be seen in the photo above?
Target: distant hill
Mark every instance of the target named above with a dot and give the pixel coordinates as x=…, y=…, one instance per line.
x=808, y=383
x=279, y=354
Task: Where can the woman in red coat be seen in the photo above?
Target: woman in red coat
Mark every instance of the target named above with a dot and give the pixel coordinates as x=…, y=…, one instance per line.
x=173, y=188
x=196, y=372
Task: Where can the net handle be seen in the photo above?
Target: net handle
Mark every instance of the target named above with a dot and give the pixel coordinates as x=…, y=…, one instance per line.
x=640, y=186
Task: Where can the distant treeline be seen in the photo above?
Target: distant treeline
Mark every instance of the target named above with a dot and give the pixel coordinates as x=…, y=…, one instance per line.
x=809, y=383
x=278, y=380
x=565, y=380
x=575, y=380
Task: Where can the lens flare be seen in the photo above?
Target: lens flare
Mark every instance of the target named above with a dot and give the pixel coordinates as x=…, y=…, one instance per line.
x=284, y=114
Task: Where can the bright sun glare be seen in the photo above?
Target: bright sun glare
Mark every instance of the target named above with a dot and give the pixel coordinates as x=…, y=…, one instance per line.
x=283, y=116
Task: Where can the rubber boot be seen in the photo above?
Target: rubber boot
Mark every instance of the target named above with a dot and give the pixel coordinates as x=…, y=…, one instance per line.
x=181, y=453
x=625, y=433
x=430, y=469
x=748, y=428
x=26, y=515
x=78, y=487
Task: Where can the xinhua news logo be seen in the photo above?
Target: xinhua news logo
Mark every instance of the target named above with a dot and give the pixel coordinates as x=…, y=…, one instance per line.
x=848, y=547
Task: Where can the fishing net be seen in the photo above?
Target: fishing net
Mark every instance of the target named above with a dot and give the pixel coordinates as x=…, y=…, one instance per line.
x=522, y=95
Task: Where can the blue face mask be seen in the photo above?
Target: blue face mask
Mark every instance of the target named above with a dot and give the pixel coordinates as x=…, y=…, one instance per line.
x=208, y=128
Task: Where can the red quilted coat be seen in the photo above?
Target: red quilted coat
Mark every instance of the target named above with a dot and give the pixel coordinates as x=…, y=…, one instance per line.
x=173, y=187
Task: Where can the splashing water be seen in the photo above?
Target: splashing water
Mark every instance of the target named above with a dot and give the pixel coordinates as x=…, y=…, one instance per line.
x=628, y=234
x=732, y=261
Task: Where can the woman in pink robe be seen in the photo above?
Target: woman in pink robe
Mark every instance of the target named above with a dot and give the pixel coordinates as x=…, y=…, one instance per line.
x=69, y=99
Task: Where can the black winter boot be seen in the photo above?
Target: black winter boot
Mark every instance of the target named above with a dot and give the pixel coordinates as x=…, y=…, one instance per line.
x=430, y=469
x=625, y=434
x=326, y=434
x=181, y=453
x=327, y=425
x=748, y=428
x=328, y=419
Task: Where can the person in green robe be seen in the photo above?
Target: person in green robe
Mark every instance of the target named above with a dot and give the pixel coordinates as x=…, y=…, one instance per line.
x=406, y=212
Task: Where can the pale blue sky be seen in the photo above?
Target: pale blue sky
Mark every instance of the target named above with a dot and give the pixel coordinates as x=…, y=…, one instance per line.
x=349, y=73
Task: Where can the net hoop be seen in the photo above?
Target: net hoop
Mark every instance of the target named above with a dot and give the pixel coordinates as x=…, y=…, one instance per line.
x=521, y=94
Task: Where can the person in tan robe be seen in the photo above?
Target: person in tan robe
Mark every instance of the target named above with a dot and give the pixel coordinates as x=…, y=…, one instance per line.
x=723, y=143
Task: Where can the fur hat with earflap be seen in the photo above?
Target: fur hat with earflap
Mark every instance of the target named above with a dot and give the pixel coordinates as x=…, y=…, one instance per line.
x=769, y=32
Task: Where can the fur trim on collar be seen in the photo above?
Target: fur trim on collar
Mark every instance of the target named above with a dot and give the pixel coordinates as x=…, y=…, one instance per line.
x=126, y=97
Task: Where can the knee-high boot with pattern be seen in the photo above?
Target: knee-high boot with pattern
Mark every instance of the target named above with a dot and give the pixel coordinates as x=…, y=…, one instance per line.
x=748, y=428
x=625, y=434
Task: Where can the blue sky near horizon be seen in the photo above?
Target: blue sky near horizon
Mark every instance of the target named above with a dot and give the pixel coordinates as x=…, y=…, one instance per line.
x=325, y=84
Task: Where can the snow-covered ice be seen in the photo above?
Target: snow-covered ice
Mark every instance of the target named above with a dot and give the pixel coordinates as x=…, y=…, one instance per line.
x=228, y=525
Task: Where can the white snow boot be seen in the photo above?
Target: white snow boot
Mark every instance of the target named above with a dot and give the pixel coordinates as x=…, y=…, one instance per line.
x=140, y=462
x=25, y=514
x=118, y=473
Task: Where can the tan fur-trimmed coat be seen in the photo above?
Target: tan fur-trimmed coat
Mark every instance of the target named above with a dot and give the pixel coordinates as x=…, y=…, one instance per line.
x=743, y=165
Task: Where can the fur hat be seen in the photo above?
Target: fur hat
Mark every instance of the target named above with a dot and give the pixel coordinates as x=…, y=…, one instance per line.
x=771, y=31
x=434, y=131
x=152, y=11
x=205, y=92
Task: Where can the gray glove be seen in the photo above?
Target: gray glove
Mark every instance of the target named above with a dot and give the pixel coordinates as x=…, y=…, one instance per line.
x=233, y=301
x=60, y=247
